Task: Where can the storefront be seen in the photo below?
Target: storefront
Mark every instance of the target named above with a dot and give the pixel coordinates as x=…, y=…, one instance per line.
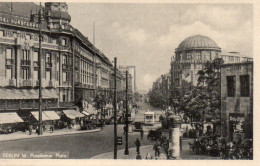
x=9, y=121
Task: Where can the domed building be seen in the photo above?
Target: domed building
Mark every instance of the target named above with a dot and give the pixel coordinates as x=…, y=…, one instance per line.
x=189, y=58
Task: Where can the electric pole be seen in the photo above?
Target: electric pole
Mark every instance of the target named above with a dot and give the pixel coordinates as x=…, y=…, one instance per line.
x=40, y=17
x=126, y=115
x=115, y=112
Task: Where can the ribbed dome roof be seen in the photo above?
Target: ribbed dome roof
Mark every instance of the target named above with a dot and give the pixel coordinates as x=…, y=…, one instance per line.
x=56, y=14
x=198, y=42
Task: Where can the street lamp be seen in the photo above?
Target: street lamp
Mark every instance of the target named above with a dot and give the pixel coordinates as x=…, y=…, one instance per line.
x=126, y=115
x=40, y=19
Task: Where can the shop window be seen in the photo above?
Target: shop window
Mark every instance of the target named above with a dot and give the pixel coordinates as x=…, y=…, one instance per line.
x=244, y=85
x=231, y=86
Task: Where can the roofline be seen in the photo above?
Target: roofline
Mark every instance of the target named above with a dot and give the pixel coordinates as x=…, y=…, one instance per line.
x=198, y=48
x=239, y=63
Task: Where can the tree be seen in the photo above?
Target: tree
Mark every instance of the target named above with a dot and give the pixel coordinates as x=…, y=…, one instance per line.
x=204, y=99
x=99, y=103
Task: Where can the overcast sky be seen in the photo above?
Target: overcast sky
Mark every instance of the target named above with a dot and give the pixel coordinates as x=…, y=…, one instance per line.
x=146, y=35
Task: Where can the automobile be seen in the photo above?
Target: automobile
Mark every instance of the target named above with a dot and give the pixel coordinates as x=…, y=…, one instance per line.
x=138, y=126
x=7, y=130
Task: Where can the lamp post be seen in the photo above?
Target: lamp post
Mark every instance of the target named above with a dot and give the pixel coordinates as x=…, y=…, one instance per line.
x=126, y=115
x=40, y=17
x=115, y=112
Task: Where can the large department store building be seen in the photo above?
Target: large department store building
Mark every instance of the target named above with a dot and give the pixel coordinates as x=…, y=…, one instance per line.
x=73, y=68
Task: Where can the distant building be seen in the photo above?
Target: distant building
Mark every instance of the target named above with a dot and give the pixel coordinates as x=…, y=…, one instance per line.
x=190, y=57
x=236, y=96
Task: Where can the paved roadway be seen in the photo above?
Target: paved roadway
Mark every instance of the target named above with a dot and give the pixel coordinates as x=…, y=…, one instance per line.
x=79, y=146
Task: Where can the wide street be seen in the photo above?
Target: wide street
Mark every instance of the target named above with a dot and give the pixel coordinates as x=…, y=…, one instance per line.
x=79, y=146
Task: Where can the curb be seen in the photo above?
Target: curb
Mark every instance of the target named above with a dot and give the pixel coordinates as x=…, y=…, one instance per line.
x=37, y=136
x=104, y=154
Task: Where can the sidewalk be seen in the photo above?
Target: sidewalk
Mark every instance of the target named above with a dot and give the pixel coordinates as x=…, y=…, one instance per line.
x=132, y=153
x=25, y=135
x=185, y=154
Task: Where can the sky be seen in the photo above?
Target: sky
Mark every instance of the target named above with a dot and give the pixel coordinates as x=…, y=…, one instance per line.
x=146, y=35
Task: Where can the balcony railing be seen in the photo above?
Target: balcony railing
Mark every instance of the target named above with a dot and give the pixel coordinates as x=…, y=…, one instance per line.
x=48, y=65
x=66, y=104
x=9, y=62
x=67, y=48
x=36, y=63
x=27, y=83
x=25, y=62
x=11, y=82
x=65, y=66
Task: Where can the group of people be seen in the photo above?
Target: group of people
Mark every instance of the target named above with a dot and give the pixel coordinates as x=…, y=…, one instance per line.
x=37, y=131
x=219, y=147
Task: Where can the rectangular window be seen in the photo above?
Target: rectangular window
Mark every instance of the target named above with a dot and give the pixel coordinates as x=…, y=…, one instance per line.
x=8, y=53
x=1, y=33
x=48, y=75
x=35, y=56
x=9, y=73
x=64, y=76
x=244, y=85
x=63, y=42
x=64, y=95
x=25, y=73
x=26, y=55
x=35, y=74
x=64, y=59
x=48, y=58
x=231, y=86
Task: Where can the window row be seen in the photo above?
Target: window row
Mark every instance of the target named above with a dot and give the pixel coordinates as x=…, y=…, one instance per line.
x=244, y=86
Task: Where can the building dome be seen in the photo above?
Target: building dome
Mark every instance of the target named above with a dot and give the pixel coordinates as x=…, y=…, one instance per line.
x=198, y=42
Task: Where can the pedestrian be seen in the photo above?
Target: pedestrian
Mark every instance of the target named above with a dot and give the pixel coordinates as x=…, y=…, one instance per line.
x=156, y=149
x=137, y=144
x=52, y=128
x=30, y=129
x=142, y=133
x=148, y=156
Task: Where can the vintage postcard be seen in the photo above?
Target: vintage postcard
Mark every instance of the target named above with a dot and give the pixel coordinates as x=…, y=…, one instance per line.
x=90, y=81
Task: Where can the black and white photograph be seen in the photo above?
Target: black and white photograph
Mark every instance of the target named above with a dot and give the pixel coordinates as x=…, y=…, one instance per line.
x=126, y=81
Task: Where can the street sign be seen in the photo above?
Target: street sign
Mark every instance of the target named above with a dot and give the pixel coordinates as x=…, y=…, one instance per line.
x=119, y=141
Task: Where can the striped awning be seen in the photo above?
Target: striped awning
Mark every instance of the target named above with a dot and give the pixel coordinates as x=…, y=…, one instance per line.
x=52, y=115
x=11, y=117
x=36, y=116
x=72, y=114
x=91, y=110
x=13, y=94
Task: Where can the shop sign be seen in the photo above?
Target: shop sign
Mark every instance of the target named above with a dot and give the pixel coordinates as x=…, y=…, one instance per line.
x=18, y=22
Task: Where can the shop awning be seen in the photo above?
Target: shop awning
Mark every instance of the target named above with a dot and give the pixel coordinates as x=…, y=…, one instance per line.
x=11, y=117
x=36, y=116
x=91, y=110
x=72, y=114
x=52, y=115
x=85, y=113
x=14, y=94
x=109, y=106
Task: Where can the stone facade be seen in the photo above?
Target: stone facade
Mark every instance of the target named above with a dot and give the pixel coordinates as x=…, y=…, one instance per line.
x=236, y=95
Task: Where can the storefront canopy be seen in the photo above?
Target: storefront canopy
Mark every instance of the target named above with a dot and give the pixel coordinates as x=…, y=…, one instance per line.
x=91, y=110
x=52, y=115
x=36, y=116
x=14, y=94
x=9, y=118
x=72, y=114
